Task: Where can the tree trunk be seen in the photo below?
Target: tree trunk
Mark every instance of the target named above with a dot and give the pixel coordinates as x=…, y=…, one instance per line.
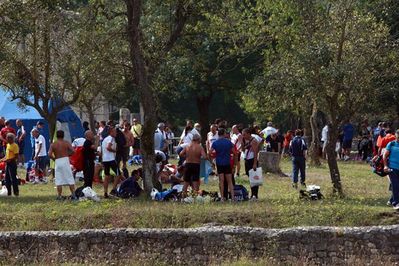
x=315, y=143
x=52, y=124
x=92, y=123
x=141, y=79
x=332, y=159
x=203, y=103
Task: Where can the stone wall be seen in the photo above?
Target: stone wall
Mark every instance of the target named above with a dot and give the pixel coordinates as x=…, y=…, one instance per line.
x=204, y=245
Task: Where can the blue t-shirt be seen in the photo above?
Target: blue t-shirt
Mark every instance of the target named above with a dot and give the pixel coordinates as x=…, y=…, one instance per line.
x=348, y=131
x=393, y=148
x=222, y=147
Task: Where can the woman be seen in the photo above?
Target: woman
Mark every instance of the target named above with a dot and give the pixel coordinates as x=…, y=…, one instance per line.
x=391, y=166
x=11, y=158
x=250, y=148
x=184, y=142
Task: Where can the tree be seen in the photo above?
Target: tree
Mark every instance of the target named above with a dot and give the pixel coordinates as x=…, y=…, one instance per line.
x=41, y=58
x=327, y=53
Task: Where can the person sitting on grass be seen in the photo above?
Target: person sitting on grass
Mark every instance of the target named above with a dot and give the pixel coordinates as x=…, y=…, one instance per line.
x=60, y=150
x=11, y=158
x=193, y=154
x=222, y=147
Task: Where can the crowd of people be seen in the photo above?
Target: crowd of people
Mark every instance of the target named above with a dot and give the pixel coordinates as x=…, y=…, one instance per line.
x=109, y=148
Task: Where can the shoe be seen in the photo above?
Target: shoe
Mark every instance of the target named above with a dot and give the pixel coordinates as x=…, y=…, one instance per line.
x=106, y=196
x=389, y=203
x=303, y=185
x=114, y=193
x=396, y=207
x=253, y=198
x=73, y=197
x=295, y=185
x=60, y=198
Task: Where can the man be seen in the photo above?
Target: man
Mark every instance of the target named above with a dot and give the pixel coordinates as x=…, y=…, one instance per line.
x=193, y=154
x=108, y=150
x=11, y=158
x=164, y=144
x=212, y=136
x=348, y=131
x=223, y=147
x=4, y=131
x=137, y=131
x=40, y=155
x=298, y=150
x=2, y=125
x=250, y=148
x=129, y=140
x=236, y=139
x=121, y=155
x=268, y=130
x=89, y=155
x=391, y=166
x=272, y=143
x=21, y=133
x=389, y=136
x=159, y=137
x=189, y=123
x=324, y=139
x=40, y=128
x=197, y=129
x=85, y=125
x=59, y=151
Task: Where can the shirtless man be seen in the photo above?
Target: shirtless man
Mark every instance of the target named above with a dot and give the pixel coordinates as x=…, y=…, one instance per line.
x=60, y=150
x=193, y=154
x=129, y=141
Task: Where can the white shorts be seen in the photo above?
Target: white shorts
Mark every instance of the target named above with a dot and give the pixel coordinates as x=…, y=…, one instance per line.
x=63, y=172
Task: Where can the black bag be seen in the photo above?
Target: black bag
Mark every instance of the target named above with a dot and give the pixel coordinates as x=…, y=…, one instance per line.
x=378, y=166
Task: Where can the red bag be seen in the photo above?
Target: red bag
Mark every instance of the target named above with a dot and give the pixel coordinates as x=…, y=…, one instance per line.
x=77, y=159
x=3, y=166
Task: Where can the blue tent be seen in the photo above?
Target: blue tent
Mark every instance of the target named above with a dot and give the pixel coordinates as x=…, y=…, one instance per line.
x=68, y=121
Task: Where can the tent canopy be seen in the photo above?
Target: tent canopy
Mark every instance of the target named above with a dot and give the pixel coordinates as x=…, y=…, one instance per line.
x=70, y=122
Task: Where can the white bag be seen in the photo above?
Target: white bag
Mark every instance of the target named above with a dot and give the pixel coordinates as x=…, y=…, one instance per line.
x=90, y=194
x=255, y=177
x=3, y=192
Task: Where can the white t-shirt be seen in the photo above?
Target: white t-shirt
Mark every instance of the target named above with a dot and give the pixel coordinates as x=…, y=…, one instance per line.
x=324, y=134
x=212, y=138
x=234, y=140
x=107, y=155
x=159, y=140
x=187, y=139
x=268, y=131
x=43, y=151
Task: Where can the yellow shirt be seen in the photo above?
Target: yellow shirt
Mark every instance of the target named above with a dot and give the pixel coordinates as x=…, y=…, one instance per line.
x=137, y=131
x=12, y=151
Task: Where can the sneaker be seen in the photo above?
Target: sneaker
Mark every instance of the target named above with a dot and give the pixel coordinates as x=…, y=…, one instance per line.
x=106, y=196
x=389, y=203
x=114, y=193
x=253, y=198
x=396, y=207
x=295, y=185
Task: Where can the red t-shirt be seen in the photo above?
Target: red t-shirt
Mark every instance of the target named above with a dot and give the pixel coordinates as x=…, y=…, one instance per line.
x=5, y=131
x=385, y=140
x=287, y=140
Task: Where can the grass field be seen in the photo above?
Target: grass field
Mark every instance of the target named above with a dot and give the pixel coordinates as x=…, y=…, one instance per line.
x=279, y=206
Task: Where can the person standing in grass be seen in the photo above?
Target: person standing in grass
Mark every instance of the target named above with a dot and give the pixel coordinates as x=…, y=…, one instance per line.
x=11, y=158
x=298, y=150
x=193, y=154
x=250, y=148
x=391, y=166
x=89, y=156
x=223, y=146
x=59, y=151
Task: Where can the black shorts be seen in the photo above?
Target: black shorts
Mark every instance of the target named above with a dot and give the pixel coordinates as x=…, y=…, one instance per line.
x=224, y=169
x=111, y=165
x=122, y=156
x=347, y=144
x=21, y=146
x=136, y=144
x=41, y=163
x=192, y=172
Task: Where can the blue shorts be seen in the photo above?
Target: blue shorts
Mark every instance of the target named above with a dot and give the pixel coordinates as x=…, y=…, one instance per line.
x=347, y=144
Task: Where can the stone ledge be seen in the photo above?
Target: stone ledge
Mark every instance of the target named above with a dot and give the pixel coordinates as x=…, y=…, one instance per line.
x=203, y=245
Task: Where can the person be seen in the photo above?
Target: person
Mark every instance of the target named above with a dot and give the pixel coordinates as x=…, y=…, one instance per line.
x=348, y=131
x=324, y=139
x=376, y=134
x=287, y=140
x=267, y=131
x=272, y=143
x=298, y=150
x=2, y=125
x=185, y=141
x=4, y=131
x=137, y=130
x=121, y=155
x=89, y=156
x=102, y=126
x=197, y=129
x=160, y=137
x=193, y=154
x=250, y=148
x=85, y=125
x=40, y=128
x=108, y=151
x=212, y=136
x=11, y=158
x=189, y=123
x=127, y=131
x=40, y=155
x=223, y=147
x=389, y=136
x=391, y=166
x=236, y=139
x=20, y=140
x=59, y=151
x=170, y=138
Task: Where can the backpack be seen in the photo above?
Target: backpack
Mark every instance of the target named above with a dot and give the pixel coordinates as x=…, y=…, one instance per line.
x=129, y=188
x=312, y=192
x=77, y=159
x=240, y=193
x=378, y=166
